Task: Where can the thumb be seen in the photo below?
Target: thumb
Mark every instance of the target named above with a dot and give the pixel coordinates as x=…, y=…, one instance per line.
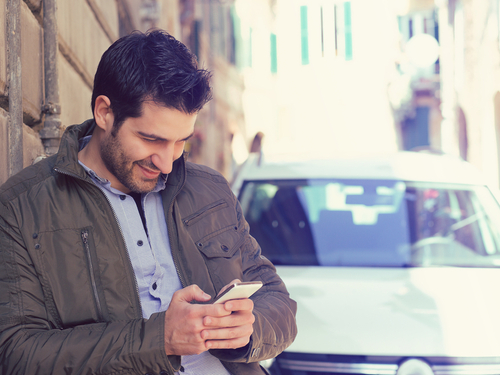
x=191, y=293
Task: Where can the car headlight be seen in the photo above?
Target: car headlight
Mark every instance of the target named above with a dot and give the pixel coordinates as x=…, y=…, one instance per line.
x=414, y=366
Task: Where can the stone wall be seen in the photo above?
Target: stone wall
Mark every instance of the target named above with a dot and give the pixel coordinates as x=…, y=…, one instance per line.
x=86, y=28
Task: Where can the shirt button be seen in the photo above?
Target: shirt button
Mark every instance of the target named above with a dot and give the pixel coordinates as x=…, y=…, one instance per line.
x=140, y=243
x=154, y=286
x=123, y=197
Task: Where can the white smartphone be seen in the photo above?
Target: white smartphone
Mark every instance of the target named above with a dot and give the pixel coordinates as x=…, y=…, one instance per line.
x=242, y=289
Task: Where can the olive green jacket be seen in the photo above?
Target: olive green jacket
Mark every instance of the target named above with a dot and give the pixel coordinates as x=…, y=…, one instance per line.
x=68, y=296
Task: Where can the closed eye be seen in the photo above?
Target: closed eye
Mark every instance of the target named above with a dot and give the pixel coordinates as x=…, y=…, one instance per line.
x=151, y=138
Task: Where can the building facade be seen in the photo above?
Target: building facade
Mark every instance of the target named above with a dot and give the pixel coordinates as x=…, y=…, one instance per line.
x=335, y=59
x=454, y=104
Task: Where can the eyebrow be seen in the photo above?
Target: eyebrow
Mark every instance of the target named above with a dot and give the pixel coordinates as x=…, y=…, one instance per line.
x=157, y=138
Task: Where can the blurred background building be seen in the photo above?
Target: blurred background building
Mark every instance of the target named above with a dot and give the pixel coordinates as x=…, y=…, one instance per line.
x=323, y=77
x=454, y=103
x=364, y=76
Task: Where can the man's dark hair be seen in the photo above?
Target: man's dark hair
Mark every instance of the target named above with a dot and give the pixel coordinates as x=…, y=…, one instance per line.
x=150, y=66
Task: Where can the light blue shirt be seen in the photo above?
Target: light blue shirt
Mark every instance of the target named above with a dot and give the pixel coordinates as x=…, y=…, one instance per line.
x=151, y=257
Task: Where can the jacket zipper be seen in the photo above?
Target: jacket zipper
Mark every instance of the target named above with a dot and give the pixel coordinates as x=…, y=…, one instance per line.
x=138, y=301
x=170, y=225
x=85, y=240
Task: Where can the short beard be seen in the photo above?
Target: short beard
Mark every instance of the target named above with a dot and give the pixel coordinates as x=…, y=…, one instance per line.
x=117, y=162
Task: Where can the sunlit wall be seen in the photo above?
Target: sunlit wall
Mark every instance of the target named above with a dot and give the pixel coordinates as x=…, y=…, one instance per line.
x=323, y=89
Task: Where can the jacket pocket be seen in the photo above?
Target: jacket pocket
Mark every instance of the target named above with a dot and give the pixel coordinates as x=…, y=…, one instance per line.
x=222, y=243
x=207, y=210
x=71, y=276
x=222, y=254
x=213, y=230
x=93, y=270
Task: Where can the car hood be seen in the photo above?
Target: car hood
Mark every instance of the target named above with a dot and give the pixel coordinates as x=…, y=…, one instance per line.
x=396, y=311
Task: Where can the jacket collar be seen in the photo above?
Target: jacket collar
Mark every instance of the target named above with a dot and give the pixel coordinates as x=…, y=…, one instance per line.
x=67, y=156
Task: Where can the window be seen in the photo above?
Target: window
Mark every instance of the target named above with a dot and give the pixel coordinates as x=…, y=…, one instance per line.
x=348, y=30
x=274, y=55
x=304, y=35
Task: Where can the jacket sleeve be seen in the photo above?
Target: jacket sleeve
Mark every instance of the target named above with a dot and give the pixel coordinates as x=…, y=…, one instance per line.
x=275, y=327
x=31, y=343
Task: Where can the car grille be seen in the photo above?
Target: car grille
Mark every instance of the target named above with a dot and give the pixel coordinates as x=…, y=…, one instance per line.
x=316, y=364
x=337, y=368
x=486, y=369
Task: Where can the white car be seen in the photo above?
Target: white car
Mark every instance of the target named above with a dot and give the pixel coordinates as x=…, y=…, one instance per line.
x=394, y=262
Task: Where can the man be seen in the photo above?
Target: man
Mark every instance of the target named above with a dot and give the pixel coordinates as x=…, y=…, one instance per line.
x=112, y=250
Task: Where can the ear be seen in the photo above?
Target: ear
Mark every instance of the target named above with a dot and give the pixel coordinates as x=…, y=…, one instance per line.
x=103, y=114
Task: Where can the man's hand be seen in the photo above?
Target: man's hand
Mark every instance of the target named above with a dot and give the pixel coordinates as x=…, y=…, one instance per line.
x=194, y=328
x=230, y=331
x=184, y=322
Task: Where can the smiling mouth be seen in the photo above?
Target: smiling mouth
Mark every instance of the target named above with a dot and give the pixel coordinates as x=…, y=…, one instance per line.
x=150, y=174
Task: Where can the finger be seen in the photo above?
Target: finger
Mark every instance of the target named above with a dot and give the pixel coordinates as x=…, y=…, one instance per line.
x=235, y=319
x=232, y=337
x=227, y=344
x=242, y=304
x=215, y=310
x=213, y=313
x=191, y=293
x=229, y=333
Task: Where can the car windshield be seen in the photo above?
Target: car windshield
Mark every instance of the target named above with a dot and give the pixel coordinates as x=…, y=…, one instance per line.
x=370, y=223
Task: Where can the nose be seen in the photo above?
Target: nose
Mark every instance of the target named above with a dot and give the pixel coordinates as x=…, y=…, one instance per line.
x=163, y=159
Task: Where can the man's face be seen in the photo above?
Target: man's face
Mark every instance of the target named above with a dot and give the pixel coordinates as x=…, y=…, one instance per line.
x=144, y=147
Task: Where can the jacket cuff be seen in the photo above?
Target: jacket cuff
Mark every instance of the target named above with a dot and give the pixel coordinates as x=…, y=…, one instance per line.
x=175, y=362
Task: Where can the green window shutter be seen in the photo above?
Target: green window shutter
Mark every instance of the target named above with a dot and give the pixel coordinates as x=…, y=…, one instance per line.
x=250, y=49
x=348, y=30
x=274, y=55
x=304, y=35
